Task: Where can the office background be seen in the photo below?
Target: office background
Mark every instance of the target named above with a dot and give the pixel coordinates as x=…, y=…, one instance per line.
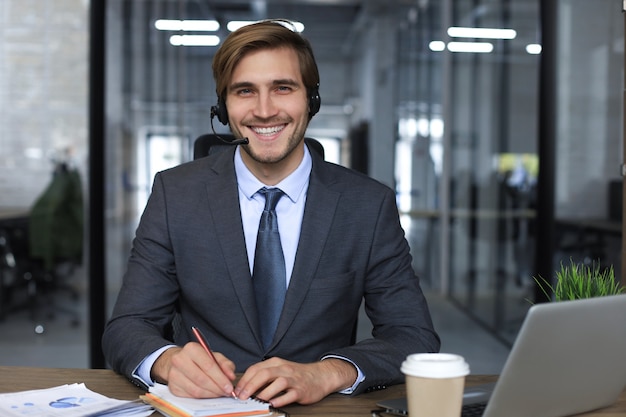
x=456, y=134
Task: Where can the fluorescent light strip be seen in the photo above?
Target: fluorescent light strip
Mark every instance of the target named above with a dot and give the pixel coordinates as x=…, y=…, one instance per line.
x=481, y=33
x=233, y=25
x=475, y=47
x=187, y=25
x=533, y=48
x=437, y=46
x=484, y=47
x=194, y=40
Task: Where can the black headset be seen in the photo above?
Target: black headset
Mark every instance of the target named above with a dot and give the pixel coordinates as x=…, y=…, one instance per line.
x=220, y=111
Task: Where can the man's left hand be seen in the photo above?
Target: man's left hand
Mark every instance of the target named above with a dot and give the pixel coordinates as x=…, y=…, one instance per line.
x=283, y=382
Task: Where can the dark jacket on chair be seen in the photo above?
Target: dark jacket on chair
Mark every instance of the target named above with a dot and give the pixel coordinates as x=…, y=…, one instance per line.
x=56, y=220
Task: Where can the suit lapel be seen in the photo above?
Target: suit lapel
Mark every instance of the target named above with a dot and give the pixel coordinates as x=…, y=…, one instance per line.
x=223, y=202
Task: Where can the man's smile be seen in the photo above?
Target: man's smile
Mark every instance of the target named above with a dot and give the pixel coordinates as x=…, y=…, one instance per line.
x=268, y=130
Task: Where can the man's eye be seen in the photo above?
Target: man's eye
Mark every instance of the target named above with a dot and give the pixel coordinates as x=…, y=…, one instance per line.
x=283, y=88
x=244, y=91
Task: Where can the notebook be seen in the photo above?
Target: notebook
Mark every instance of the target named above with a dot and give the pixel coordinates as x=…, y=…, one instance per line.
x=568, y=358
x=161, y=398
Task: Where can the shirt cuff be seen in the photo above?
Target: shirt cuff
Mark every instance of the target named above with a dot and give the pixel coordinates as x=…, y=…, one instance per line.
x=359, y=378
x=142, y=371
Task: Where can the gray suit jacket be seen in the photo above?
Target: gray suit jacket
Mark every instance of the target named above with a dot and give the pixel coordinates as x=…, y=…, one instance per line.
x=189, y=256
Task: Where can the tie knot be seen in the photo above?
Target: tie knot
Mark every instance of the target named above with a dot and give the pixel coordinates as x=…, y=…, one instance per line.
x=272, y=195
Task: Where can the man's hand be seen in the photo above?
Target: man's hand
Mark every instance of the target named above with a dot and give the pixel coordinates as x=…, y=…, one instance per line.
x=191, y=372
x=282, y=382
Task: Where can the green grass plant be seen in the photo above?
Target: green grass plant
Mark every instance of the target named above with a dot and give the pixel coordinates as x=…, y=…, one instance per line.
x=576, y=281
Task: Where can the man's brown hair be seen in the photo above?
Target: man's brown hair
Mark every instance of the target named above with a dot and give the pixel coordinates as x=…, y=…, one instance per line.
x=266, y=34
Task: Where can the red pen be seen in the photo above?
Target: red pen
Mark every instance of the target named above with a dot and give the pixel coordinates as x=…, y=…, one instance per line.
x=202, y=340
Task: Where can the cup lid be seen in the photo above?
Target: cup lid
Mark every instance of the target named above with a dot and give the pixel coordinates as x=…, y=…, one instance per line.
x=435, y=365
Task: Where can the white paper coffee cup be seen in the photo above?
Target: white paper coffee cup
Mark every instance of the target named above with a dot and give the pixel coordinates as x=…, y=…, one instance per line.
x=434, y=384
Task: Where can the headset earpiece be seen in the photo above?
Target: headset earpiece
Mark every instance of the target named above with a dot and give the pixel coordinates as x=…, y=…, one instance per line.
x=220, y=111
x=314, y=101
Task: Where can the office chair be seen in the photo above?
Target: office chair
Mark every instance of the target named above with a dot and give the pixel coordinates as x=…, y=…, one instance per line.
x=26, y=283
x=207, y=144
x=44, y=251
x=13, y=233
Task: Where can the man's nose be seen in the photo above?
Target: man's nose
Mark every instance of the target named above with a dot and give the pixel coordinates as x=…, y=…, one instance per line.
x=265, y=106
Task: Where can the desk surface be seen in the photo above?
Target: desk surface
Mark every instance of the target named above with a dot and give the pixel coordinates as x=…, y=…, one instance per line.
x=594, y=225
x=108, y=383
x=13, y=213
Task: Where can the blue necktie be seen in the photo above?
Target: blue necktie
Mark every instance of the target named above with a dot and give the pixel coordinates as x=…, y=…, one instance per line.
x=268, y=273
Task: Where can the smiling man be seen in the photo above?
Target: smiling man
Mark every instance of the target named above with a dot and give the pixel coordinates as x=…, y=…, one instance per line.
x=287, y=328
x=267, y=103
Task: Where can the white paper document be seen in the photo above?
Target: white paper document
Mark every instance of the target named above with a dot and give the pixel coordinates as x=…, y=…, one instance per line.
x=165, y=401
x=71, y=400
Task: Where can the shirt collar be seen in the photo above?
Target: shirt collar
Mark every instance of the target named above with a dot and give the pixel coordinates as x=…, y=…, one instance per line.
x=293, y=185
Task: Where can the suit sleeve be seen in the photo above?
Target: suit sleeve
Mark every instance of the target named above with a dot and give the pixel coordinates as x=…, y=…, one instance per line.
x=147, y=299
x=395, y=304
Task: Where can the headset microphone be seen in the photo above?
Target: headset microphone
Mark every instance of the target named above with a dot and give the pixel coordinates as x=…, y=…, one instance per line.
x=242, y=141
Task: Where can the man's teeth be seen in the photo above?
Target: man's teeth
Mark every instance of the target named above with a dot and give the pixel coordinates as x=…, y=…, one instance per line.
x=267, y=130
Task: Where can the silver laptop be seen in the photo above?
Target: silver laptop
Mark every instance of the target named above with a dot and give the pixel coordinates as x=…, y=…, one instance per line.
x=568, y=358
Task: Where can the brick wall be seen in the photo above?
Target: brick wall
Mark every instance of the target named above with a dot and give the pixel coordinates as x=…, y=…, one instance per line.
x=43, y=93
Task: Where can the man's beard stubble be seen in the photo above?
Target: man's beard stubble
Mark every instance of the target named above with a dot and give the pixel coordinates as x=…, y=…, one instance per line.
x=292, y=143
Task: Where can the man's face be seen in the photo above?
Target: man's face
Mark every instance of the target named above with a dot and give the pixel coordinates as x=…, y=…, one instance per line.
x=267, y=103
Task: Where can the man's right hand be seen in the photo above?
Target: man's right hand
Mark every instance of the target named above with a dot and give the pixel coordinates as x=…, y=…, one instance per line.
x=191, y=372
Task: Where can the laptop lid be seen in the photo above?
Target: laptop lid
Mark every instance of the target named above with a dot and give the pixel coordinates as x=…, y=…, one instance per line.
x=568, y=358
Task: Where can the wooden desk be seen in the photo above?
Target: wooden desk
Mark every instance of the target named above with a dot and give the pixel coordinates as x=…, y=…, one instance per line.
x=13, y=213
x=108, y=383
x=591, y=225
x=593, y=238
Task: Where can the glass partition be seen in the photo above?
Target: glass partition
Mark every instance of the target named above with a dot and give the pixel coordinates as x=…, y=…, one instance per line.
x=466, y=153
x=493, y=163
x=43, y=181
x=158, y=101
x=492, y=136
x=465, y=122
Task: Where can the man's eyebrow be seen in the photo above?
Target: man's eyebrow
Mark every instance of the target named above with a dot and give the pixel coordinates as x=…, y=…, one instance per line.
x=248, y=84
x=286, y=81
x=242, y=84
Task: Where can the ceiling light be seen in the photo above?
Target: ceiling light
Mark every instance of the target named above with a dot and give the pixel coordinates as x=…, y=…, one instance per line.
x=437, y=46
x=533, y=48
x=482, y=33
x=233, y=25
x=194, y=40
x=187, y=25
x=475, y=47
